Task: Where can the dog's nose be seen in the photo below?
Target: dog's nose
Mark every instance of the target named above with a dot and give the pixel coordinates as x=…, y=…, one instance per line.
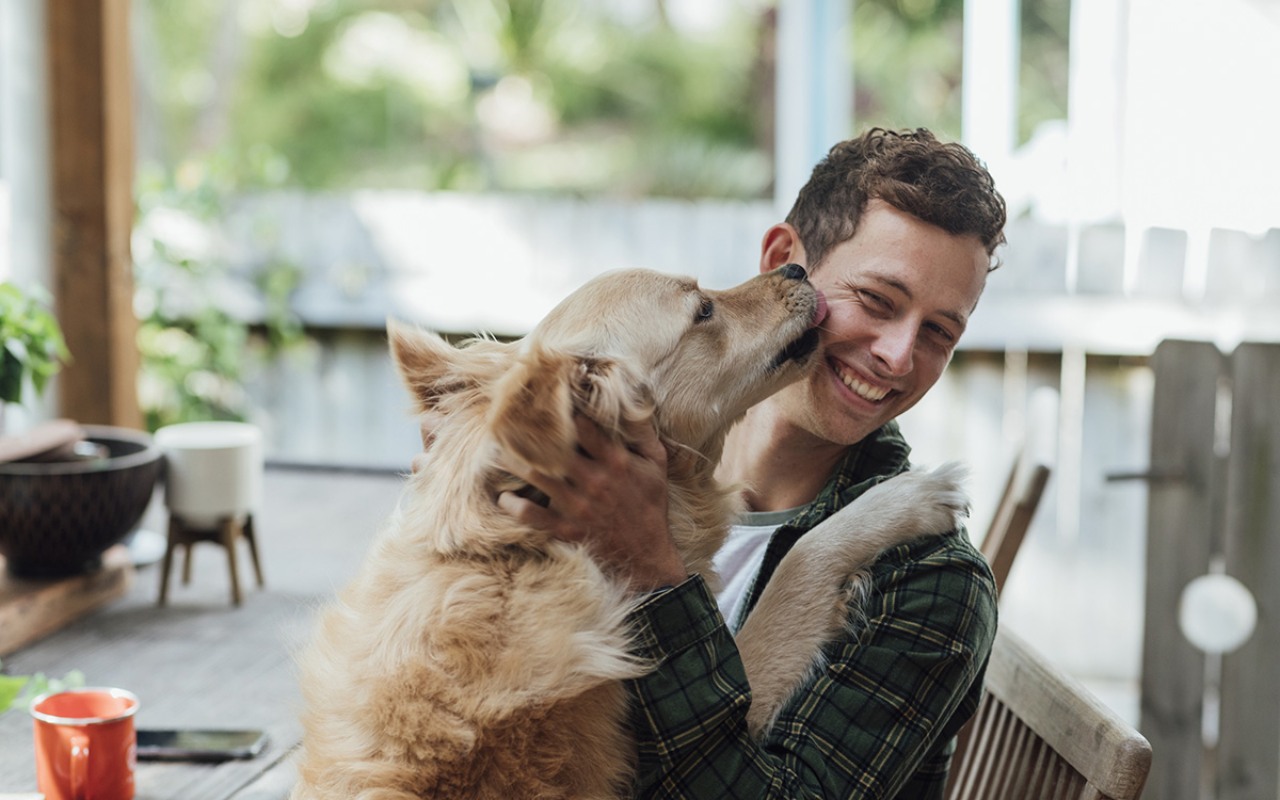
x=793, y=271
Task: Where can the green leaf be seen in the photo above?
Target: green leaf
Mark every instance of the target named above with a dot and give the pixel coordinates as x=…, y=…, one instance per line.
x=72, y=680
x=31, y=342
x=10, y=687
x=22, y=689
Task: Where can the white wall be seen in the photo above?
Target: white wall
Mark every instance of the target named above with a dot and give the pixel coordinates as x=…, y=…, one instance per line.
x=24, y=135
x=25, y=237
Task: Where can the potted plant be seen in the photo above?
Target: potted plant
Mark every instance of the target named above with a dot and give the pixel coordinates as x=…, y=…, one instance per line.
x=61, y=509
x=31, y=345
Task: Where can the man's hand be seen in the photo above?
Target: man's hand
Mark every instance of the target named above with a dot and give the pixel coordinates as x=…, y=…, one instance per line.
x=613, y=498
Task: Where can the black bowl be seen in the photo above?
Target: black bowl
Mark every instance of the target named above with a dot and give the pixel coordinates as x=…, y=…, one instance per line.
x=57, y=518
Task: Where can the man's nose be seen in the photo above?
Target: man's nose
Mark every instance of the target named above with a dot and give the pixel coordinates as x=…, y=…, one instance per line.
x=895, y=345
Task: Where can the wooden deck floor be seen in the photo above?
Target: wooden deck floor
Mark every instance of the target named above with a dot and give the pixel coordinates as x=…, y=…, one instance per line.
x=200, y=661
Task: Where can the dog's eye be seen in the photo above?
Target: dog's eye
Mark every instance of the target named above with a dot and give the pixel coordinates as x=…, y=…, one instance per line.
x=705, y=310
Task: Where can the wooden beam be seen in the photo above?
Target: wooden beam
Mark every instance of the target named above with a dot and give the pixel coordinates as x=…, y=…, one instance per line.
x=1250, y=739
x=1182, y=526
x=91, y=132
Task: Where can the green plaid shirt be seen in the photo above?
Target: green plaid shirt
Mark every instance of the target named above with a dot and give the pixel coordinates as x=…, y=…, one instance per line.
x=878, y=722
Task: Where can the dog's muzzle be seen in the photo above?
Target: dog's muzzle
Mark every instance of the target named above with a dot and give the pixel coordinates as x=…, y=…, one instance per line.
x=798, y=350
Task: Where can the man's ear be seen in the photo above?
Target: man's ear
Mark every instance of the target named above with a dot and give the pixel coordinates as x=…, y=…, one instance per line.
x=430, y=367
x=781, y=245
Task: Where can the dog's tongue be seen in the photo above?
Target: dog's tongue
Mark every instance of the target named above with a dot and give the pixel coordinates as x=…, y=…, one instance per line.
x=821, y=313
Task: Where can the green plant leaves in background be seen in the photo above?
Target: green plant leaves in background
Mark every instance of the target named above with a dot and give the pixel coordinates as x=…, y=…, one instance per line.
x=31, y=343
x=17, y=691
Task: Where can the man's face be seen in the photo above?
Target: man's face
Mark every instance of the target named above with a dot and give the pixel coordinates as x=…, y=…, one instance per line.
x=900, y=293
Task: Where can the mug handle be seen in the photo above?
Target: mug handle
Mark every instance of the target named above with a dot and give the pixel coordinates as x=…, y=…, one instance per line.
x=79, y=765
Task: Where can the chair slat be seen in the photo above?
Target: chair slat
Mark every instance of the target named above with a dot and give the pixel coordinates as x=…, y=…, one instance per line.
x=1039, y=735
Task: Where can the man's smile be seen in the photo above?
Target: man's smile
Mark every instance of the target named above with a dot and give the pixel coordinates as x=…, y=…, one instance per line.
x=857, y=385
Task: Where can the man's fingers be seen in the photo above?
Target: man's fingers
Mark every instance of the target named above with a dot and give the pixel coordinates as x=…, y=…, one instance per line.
x=644, y=440
x=542, y=518
x=592, y=439
x=641, y=438
x=526, y=511
x=562, y=491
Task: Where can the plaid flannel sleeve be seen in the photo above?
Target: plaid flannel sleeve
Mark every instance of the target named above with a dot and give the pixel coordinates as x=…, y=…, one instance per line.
x=876, y=723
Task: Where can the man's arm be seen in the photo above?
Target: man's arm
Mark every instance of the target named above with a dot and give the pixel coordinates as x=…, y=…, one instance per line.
x=890, y=698
x=885, y=705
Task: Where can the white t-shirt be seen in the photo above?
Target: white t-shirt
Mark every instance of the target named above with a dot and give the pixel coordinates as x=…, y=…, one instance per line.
x=740, y=558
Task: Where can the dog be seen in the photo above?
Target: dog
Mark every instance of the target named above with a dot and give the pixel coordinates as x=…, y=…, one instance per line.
x=472, y=657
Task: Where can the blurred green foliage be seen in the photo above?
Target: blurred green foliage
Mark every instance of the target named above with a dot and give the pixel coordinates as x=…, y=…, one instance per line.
x=32, y=349
x=533, y=95
x=908, y=57
x=20, y=690
x=545, y=95
x=201, y=328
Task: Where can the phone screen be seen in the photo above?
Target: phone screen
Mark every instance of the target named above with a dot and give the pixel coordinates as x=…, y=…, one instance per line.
x=199, y=745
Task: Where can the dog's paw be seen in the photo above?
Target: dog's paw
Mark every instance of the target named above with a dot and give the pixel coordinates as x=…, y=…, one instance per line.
x=916, y=503
x=938, y=495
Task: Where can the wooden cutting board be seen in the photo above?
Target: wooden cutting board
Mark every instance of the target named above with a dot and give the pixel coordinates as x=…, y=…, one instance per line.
x=32, y=609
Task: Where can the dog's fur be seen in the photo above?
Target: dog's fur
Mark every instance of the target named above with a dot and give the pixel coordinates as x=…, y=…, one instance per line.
x=473, y=657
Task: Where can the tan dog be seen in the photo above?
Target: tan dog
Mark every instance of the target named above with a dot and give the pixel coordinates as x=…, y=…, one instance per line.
x=472, y=657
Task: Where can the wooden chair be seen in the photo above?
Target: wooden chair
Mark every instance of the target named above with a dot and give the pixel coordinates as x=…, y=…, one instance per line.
x=1021, y=497
x=1040, y=735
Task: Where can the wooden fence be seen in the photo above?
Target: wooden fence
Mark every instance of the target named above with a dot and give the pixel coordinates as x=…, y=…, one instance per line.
x=1214, y=507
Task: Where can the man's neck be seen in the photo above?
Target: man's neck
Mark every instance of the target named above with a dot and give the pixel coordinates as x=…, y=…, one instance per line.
x=780, y=466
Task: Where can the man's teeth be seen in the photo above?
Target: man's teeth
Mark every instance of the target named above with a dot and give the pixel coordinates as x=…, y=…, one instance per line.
x=863, y=390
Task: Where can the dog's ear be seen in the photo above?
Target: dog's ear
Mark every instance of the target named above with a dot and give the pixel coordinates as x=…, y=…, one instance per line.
x=430, y=367
x=532, y=413
x=534, y=404
x=612, y=395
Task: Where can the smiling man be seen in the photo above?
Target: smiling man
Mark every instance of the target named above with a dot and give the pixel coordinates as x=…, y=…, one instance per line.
x=899, y=231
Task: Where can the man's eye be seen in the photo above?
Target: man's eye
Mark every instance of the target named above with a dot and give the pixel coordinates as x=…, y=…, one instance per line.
x=874, y=301
x=941, y=332
x=705, y=311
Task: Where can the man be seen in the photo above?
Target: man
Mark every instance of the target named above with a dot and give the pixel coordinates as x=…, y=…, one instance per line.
x=899, y=231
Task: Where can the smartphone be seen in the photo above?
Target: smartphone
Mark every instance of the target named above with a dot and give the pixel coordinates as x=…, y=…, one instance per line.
x=199, y=745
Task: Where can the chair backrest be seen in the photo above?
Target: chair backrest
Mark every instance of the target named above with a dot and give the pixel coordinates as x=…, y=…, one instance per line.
x=1040, y=735
x=1018, y=503
x=1025, y=487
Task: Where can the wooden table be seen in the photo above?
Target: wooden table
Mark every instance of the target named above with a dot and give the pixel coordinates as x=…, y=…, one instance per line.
x=202, y=662
x=31, y=609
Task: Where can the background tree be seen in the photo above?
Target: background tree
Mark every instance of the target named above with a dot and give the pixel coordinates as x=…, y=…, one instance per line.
x=618, y=98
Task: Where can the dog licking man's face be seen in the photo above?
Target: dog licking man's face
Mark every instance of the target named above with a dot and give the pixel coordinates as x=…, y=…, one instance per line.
x=703, y=356
x=628, y=346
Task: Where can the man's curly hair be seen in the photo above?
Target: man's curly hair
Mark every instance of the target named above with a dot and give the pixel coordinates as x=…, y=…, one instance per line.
x=940, y=183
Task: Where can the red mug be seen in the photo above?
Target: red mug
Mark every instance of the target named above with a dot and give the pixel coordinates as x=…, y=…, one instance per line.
x=86, y=747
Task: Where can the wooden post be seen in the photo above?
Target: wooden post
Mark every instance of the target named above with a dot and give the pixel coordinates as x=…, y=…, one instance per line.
x=1181, y=520
x=1250, y=740
x=91, y=152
